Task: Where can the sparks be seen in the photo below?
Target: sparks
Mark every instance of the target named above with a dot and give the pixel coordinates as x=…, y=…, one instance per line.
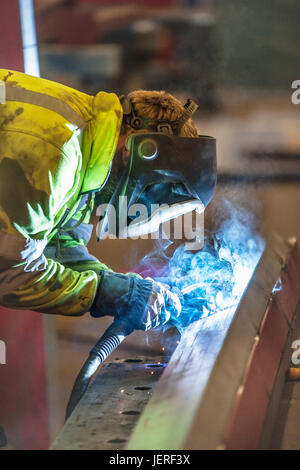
x=213, y=279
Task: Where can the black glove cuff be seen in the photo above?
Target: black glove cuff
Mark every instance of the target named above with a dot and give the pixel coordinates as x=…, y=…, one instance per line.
x=119, y=293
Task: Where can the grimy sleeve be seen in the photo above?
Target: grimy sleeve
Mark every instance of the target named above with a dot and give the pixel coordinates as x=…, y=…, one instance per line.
x=70, y=249
x=28, y=278
x=44, y=285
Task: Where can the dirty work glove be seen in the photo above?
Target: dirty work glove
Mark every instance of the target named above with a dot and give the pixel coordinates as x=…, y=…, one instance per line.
x=142, y=303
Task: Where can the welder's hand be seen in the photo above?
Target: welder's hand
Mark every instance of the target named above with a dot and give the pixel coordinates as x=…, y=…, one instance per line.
x=139, y=303
x=161, y=306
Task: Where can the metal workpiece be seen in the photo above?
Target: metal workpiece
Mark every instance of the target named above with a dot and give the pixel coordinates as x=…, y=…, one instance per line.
x=218, y=388
x=219, y=381
x=108, y=412
x=179, y=392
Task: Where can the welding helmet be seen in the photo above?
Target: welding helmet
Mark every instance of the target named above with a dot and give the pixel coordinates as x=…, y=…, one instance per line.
x=166, y=176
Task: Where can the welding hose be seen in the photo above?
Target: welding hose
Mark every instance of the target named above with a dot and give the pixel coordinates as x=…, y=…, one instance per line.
x=109, y=341
x=113, y=336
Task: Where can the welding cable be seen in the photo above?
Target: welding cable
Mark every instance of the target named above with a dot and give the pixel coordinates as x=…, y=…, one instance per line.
x=109, y=341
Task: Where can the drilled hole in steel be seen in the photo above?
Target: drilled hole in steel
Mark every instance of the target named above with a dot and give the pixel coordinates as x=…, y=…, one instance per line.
x=155, y=365
x=142, y=388
x=133, y=360
x=116, y=441
x=130, y=412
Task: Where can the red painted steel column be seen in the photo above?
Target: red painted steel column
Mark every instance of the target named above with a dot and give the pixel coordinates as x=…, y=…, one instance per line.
x=23, y=387
x=11, y=53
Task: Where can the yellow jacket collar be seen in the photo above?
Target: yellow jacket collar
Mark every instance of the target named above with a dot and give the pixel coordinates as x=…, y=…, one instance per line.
x=100, y=139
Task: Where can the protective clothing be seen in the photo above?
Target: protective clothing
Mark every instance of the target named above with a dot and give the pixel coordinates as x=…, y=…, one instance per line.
x=166, y=176
x=123, y=296
x=56, y=149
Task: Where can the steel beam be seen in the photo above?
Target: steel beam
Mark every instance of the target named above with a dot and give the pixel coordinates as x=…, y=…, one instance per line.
x=215, y=391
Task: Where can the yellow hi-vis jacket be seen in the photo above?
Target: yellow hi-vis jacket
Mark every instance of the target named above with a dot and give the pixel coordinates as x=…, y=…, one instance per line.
x=56, y=148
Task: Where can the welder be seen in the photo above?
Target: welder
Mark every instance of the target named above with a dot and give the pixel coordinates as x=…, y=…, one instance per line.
x=58, y=149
